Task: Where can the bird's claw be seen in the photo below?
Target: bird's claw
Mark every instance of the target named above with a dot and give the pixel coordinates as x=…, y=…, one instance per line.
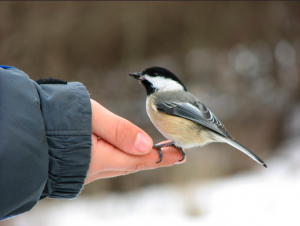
x=159, y=146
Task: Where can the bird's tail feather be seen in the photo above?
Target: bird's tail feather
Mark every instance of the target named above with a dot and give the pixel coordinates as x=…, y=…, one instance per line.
x=240, y=147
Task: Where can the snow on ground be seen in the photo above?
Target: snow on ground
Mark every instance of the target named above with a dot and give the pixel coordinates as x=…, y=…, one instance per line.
x=260, y=197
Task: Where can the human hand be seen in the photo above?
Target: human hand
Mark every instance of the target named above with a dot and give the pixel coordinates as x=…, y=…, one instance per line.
x=119, y=147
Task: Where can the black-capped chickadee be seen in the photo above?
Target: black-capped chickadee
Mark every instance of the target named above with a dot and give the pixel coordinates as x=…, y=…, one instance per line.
x=180, y=116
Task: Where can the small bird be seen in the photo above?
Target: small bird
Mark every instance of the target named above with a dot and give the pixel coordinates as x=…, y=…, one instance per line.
x=181, y=117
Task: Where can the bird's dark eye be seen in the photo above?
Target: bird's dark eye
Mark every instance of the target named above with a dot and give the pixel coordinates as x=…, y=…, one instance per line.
x=155, y=74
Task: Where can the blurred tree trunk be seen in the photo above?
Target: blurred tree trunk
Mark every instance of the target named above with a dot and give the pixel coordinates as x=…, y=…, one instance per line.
x=134, y=32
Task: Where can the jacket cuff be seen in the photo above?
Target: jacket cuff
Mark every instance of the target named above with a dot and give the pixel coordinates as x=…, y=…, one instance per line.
x=69, y=158
x=67, y=113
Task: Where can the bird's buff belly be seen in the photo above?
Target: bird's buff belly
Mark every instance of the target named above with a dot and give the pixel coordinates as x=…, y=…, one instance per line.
x=183, y=132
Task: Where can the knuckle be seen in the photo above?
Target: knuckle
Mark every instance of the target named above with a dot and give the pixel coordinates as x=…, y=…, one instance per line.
x=139, y=166
x=121, y=130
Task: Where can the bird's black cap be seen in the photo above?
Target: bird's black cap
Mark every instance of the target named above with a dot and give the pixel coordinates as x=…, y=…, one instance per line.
x=162, y=72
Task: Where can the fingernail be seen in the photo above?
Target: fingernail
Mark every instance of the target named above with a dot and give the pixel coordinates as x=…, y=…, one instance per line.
x=143, y=142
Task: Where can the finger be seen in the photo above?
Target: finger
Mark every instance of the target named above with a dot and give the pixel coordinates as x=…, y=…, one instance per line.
x=119, y=132
x=106, y=174
x=106, y=157
x=136, y=163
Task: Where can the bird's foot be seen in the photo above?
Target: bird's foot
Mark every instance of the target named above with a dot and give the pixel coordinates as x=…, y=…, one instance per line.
x=181, y=151
x=171, y=144
x=158, y=148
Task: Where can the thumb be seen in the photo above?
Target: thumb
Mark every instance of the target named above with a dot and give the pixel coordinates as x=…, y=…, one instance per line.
x=119, y=132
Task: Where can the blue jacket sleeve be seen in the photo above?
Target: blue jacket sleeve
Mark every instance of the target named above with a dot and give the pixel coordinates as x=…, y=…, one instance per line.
x=45, y=141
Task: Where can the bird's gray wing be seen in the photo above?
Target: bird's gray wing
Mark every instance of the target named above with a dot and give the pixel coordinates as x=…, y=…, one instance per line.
x=196, y=112
x=199, y=113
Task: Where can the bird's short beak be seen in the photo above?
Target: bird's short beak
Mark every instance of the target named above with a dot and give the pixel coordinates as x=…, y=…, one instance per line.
x=136, y=75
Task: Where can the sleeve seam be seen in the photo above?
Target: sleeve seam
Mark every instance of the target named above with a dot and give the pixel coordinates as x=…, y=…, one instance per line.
x=81, y=103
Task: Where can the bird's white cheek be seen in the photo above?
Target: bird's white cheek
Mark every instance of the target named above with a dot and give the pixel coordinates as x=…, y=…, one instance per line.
x=163, y=84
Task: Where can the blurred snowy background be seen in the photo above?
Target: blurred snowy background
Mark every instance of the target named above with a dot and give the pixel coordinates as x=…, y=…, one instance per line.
x=240, y=58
